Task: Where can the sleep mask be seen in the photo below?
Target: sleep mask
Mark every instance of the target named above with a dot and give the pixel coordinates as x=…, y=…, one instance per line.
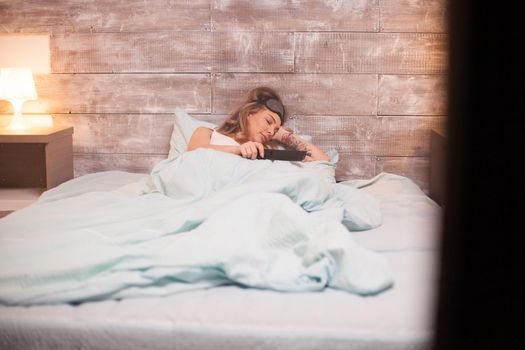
x=275, y=106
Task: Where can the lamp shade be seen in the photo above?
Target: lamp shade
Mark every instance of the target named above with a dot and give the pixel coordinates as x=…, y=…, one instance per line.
x=17, y=84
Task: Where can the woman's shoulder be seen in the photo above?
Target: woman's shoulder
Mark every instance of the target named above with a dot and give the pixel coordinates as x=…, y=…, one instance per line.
x=218, y=138
x=203, y=130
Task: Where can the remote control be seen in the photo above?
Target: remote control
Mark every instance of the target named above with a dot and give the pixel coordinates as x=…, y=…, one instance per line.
x=281, y=154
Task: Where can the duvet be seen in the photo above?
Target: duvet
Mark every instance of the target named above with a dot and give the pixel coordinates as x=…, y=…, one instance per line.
x=202, y=219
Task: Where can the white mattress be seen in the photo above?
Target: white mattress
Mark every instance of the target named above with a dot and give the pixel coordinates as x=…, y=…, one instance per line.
x=231, y=317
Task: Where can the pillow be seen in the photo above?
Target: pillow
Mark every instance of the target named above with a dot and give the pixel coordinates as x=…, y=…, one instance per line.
x=183, y=127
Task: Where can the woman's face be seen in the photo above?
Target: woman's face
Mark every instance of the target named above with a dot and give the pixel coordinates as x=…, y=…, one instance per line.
x=262, y=125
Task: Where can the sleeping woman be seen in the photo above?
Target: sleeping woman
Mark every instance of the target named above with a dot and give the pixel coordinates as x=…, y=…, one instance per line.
x=255, y=125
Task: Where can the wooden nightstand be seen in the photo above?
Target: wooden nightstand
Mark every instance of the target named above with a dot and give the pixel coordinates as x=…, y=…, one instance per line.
x=32, y=161
x=438, y=148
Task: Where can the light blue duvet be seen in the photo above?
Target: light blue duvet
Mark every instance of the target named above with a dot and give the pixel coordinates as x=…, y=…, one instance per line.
x=202, y=219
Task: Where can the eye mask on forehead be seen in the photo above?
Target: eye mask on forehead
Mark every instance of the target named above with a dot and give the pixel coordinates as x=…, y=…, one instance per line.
x=275, y=106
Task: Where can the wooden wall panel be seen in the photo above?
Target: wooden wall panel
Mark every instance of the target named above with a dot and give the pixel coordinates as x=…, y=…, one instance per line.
x=369, y=135
x=172, y=52
x=414, y=16
x=119, y=133
x=351, y=166
x=398, y=53
x=131, y=52
x=415, y=168
x=87, y=163
x=405, y=136
x=308, y=94
x=299, y=15
x=412, y=95
x=123, y=133
x=120, y=93
x=103, y=16
x=253, y=52
x=348, y=134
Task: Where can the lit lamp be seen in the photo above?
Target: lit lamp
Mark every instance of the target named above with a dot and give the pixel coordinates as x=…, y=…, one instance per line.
x=17, y=86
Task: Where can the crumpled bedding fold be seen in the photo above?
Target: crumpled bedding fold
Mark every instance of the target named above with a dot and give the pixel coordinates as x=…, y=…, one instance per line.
x=202, y=219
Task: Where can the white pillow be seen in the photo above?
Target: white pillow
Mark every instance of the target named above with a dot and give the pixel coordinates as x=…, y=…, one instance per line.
x=183, y=127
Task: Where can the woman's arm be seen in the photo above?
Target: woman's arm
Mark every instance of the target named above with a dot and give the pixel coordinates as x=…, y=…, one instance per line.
x=288, y=138
x=201, y=139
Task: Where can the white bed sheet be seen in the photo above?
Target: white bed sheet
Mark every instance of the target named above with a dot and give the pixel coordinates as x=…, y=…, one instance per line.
x=231, y=317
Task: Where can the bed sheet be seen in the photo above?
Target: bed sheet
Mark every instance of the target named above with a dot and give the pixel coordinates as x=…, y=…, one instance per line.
x=410, y=219
x=231, y=317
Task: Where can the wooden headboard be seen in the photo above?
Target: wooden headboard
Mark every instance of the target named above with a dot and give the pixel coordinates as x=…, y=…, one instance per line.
x=367, y=77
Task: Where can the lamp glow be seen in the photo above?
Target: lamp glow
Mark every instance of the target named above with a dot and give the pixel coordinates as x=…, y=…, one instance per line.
x=17, y=86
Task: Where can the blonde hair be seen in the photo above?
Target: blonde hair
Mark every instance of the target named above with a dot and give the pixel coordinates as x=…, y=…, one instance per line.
x=237, y=124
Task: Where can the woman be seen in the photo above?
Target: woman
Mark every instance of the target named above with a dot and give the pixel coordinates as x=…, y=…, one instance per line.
x=252, y=127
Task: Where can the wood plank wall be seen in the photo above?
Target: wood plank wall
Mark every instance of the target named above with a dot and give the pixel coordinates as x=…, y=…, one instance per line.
x=367, y=77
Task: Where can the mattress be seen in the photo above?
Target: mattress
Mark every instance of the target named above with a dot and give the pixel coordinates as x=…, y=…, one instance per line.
x=234, y=317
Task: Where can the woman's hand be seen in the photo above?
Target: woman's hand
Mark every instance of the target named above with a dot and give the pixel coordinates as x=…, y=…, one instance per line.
x=250, y=149
x=293, y=141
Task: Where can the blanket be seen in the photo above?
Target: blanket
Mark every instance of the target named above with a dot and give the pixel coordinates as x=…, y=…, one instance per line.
x=198, y=220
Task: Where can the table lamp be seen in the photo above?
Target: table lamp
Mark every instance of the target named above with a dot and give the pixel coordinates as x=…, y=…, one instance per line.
x=17, y=86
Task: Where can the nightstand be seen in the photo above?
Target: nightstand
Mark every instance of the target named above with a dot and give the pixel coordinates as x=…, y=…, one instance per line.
x=31, y=161
x=438, y=162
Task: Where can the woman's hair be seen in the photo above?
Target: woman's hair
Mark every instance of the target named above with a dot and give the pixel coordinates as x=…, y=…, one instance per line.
x=257, y=99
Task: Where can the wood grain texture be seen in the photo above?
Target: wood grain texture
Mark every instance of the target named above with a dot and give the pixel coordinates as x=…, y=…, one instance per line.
x=406, y=136
x=398, y=53
x=172, y=52
x=22, y=165
x=59, y=16
x=347, y=134
x=298, y=15
x=123, y=133
x=412, y=95
x=87, y=163
x=415, y=168
x=414, y=16
x=131, y=52
x=369, y=135
x=119, y=93
x=253, y=52
x=306, y=94
x=59, y=161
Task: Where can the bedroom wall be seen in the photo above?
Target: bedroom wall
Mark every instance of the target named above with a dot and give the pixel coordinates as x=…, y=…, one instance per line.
x=365, y=77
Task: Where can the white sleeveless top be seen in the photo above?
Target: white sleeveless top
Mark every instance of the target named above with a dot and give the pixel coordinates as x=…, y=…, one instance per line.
x=219, y=139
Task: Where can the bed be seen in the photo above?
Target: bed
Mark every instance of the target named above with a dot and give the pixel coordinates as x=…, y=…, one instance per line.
x=370, y=282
